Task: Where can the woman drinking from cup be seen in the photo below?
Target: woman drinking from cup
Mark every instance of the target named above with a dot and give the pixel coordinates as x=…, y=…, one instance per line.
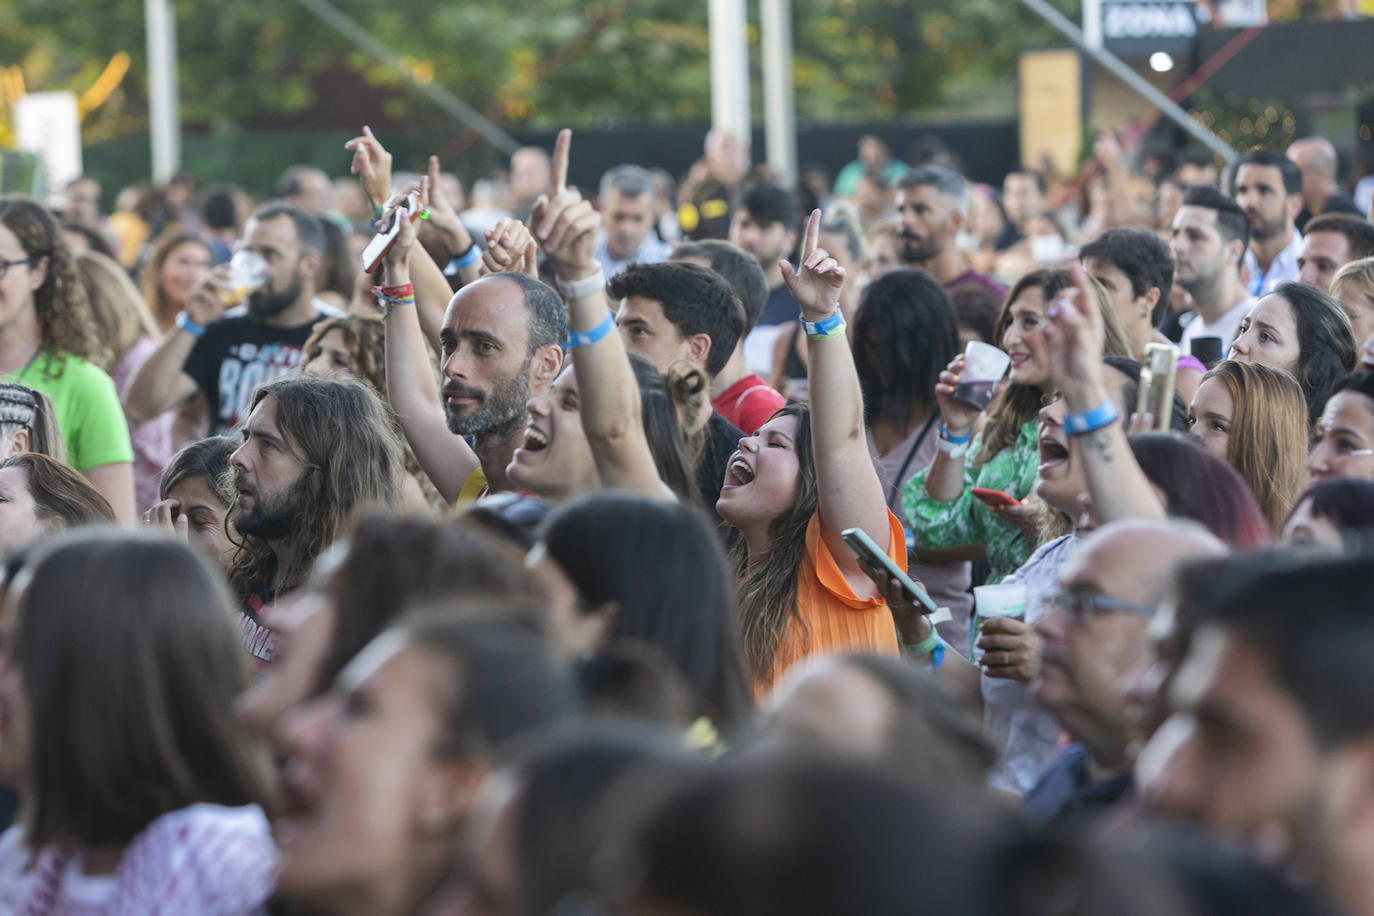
x=948, y=522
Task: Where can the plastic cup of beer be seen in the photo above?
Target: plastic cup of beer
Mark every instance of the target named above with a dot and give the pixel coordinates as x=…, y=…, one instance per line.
x=984, y=366
x=247, y=274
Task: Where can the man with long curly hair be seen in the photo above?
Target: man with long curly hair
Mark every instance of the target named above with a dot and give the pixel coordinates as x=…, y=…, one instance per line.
x=314, y=451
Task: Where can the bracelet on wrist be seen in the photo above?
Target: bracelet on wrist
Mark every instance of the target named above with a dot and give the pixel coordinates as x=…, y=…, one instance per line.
x=379, y=210
x=572, y=290
x=455, y=266
x=388, y=297
x=826, y=328
x=1090, y=421
x=932, y=647
x=953, y=447
x=596, y=334
x=190, y=327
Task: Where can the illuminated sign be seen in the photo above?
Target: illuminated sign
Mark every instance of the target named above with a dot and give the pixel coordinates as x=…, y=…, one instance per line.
x=1146, y=26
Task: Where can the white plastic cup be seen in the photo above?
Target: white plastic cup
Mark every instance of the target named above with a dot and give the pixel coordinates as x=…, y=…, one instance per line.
x=994, y=601
x=984, y=366
x=247, y=274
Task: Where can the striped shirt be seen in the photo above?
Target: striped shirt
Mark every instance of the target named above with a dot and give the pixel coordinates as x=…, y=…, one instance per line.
x=203, y=859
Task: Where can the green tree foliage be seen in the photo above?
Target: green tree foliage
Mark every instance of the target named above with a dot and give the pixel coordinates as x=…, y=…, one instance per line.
x=578, y=62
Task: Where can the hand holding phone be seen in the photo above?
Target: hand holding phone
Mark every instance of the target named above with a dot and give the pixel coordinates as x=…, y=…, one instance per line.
x=996, y=499
x=382, y=242
x=867, y=551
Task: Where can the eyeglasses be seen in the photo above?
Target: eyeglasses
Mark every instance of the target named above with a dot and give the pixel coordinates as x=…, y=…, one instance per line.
x=6, y=265
x=1082, y=605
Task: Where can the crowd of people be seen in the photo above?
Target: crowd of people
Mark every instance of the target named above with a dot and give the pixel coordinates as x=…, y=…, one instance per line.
x=676, y=551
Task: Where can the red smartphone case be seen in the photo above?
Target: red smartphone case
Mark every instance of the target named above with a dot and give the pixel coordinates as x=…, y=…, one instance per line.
x=996, y=499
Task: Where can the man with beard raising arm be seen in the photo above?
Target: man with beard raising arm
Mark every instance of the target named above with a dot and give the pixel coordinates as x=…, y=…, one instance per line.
x=933, y=204
x=500, y=344
x=314, y=452
x=225, y=356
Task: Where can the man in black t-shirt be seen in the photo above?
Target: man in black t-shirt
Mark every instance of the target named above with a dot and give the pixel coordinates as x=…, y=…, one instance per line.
x=236, y=355
x=219, y=358
x=681, y=314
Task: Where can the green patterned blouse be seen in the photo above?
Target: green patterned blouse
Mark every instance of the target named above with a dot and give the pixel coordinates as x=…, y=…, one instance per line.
x=945, y=525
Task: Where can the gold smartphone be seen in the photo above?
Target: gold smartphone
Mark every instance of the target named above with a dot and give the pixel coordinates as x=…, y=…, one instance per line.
x=1157, y=384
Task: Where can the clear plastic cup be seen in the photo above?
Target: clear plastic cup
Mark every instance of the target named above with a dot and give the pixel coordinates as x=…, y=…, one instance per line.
x=984, y=366
x=247, y=274
x=994, y=601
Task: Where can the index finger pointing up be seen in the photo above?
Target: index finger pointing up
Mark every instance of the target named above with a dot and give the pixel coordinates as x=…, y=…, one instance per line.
x=813, y=235
x=561, y=146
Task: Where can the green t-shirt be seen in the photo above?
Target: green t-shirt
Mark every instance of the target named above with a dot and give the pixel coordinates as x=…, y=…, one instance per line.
x=847, y=182
x=86, y=407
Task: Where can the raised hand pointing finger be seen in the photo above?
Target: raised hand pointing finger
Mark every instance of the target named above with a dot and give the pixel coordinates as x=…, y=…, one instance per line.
x=372, y=165
x=567, y=225
x=816, y=283
x=562, y=147
x=813, y=235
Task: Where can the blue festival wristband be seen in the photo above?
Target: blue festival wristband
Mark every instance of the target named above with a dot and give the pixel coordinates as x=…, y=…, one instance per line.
x=587, y=338
x=472, y=257
x=190, y=327
x=1100, y=417
x=825, y=328
x=932, y=647
x=953, y=440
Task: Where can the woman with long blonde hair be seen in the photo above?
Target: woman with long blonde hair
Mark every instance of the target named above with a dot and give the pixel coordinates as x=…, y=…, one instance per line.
x=128, y=328
x=1254, y=418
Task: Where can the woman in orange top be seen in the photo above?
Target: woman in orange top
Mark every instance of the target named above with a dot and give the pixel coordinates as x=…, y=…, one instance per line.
x=802, y=591
x=794, y=486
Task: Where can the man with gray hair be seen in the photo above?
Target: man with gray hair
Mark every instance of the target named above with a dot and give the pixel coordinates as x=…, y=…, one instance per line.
x=1096, y=636
x=626, y=202
x=933, y=204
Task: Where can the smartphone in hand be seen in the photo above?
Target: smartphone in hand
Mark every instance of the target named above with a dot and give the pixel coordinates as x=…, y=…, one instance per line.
x=865, y=549
x=996, y=499
x=1157, y=376
x=381, y=242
